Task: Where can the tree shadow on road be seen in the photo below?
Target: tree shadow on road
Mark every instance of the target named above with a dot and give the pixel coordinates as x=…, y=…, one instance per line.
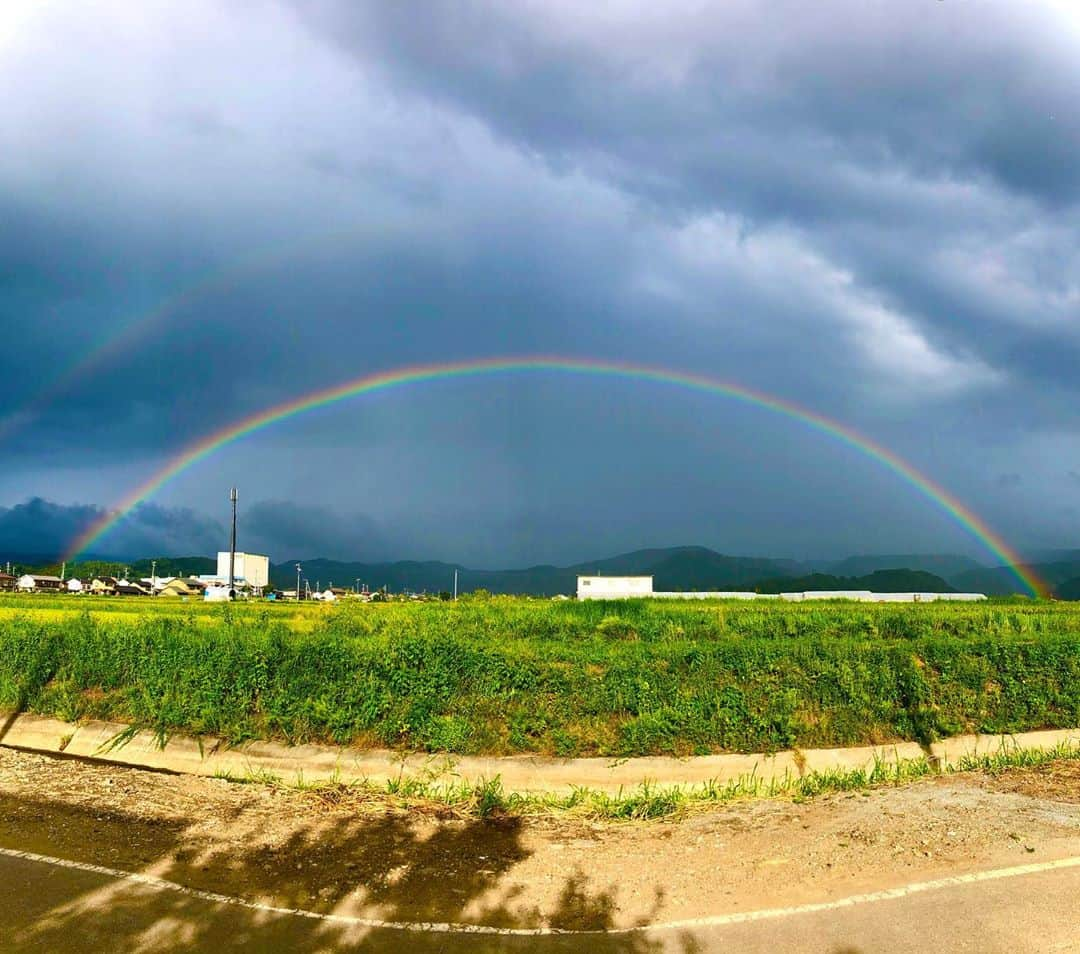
x=388, y=867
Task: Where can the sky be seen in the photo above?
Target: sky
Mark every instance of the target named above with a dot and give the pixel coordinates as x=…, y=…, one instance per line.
x=870, y=209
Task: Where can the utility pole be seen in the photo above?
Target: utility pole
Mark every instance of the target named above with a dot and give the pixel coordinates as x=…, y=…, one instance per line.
x=358, y=586
x=297, y=582
x=232, y=547
x=455, y=585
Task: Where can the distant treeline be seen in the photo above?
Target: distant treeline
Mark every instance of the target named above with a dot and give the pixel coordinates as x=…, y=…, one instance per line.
x=162, y=566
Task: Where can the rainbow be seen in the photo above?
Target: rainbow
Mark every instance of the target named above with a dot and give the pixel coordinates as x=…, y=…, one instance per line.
x=414, y=374
x=117, y=344
x=136, y=329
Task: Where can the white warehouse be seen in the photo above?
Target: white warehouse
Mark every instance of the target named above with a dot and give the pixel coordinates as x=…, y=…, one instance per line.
x=613, y=587
x=250, y=568
x=638, y=587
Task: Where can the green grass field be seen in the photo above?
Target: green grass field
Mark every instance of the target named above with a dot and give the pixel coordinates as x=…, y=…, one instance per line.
x=565, y=678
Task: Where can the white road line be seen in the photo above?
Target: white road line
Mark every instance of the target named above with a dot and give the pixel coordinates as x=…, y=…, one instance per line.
x=435, y=927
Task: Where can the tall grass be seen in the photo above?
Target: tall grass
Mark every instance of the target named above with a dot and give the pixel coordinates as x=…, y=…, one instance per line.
x=515, y=675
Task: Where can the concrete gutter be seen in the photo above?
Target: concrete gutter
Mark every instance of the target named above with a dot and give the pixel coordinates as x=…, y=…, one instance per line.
x=115, y=742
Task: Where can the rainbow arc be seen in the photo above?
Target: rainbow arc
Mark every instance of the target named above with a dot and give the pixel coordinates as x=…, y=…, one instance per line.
x=416, y=374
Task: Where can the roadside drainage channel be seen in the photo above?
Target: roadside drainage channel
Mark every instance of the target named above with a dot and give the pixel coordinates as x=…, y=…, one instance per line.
x=117, y=743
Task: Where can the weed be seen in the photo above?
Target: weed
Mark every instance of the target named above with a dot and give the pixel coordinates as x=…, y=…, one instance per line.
x=485, y=797
x=502, y=675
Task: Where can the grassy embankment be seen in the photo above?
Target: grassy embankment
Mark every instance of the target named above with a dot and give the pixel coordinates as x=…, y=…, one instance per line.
x=510, y=675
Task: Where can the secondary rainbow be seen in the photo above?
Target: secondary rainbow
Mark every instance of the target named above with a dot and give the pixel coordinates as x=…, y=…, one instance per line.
x=123, y=342
x=117, y=344
x=415, y=374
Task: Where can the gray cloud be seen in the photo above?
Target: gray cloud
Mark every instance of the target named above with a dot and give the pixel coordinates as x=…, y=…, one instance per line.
x=39, y=528
x=290, y=530
x=873, y=213
x=927, y=141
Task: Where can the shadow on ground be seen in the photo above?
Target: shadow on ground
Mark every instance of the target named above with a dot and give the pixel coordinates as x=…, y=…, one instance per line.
x=388, y=867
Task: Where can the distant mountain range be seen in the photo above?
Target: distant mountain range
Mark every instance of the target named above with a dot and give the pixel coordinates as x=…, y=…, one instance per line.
x=672, y=568
x=880, y=581
x=699, y=568
x=945, y=565
x=676, y=568
x=1000, y=580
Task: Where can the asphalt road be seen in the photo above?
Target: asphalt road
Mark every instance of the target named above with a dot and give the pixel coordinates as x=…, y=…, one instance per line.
x=54, y=908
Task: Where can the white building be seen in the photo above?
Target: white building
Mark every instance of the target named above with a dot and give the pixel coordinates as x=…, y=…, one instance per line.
x=249, y=568
x=865, y=596
x=613, y=587
x=34, y=582
x=638, y=587
x=862, y=596
x=714, y=595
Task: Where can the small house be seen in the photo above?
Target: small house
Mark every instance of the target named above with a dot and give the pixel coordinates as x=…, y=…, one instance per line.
x=40, y=583
x=181, y=587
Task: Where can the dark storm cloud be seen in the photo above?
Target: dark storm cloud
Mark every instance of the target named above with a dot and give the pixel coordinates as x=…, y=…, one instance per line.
x=39, y=528
x=947, y=91
x=947, y=128
x=290, y=530
x=872, y=211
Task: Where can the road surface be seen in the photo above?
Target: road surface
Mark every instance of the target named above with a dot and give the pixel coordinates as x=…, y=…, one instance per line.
x=48, y=907
x=100, y=858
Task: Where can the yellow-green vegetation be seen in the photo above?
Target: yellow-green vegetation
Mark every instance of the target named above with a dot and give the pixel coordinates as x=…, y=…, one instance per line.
x=517, y=675
x=487, y=797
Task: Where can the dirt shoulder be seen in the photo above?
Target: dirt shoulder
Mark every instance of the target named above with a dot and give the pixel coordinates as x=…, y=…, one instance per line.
x=365, y=858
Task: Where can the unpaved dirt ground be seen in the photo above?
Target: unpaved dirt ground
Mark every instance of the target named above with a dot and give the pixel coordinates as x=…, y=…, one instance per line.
x=364, y=857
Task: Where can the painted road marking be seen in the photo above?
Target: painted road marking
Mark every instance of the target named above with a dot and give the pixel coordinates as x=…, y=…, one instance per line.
x=436, y=927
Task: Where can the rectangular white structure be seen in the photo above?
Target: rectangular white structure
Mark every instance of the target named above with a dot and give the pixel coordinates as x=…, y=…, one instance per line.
x=865, y=596
x=639, y=587
x=613, y=587
x=251, y=568
x=714, y=595
x=861, y=595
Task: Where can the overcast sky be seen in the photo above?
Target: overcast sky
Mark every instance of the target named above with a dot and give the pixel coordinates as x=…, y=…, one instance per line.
x=868, y=208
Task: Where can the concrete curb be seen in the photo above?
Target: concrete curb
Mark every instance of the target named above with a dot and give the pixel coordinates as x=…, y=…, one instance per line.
x=115, y=742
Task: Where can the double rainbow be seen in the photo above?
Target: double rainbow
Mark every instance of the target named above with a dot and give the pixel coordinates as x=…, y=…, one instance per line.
x=415, y=374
